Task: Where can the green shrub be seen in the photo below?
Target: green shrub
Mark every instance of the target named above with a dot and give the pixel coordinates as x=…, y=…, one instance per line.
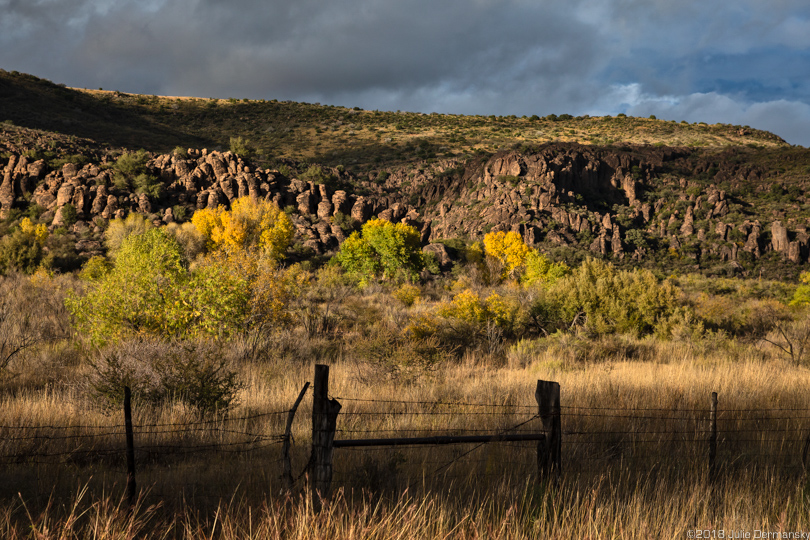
x=605, y=300
x=317, y=175
x=69, y=215
x=383, y=249
x=20, y=252
x=407, y=294
x=196, y=373
x=242, y=147
x=148, y=184
x=131, y=164
x=389, y=355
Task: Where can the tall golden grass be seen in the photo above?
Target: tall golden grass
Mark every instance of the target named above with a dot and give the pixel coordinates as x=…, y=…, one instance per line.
x=634, y=454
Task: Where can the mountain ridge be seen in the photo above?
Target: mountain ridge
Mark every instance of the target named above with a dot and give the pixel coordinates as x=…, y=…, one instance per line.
x=731, y=201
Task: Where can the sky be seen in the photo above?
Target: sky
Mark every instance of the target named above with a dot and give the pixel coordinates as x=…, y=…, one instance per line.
x=743, y=62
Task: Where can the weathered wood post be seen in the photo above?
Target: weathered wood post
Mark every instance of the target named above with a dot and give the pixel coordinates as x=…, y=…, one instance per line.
x=285, y=449
x=131, y=486
x=713, y=438
x=324, y=423
x=549, y=450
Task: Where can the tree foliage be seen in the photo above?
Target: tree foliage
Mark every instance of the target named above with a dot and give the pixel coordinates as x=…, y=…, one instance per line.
x=802, y=295
x=509, y=250
x=39, y=231
x=607, y=300
x=248, y=225
x=119, y=230
x=509, y=257
x=150, y=290
x=383, y=249
x=20, y=251
x=140, y=294
x=540, y=270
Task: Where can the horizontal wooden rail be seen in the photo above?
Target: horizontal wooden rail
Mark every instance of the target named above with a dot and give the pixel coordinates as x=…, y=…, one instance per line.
x=445, y=439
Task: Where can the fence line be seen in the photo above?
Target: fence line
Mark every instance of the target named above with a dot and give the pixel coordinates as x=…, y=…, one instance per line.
x=592, y=435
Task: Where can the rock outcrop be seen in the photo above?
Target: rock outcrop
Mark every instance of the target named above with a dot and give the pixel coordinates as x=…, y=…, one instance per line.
x=558, y=195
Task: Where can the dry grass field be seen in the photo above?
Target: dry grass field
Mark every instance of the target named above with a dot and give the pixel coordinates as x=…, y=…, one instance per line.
x=635, y=442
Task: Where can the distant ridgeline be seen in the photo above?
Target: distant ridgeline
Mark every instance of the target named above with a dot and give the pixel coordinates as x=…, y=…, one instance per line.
x=674, y=197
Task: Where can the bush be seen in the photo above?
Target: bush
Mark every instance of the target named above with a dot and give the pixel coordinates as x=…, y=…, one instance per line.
x=131, y=164
x=242, y=147
x=69, y=215
x=149, y=185
x=249, y=225
x=470, y=308
x=317, y=175
x=196, y=373
x=606, y=300
x=541, y=271
x=120, y=229
x=389, y=355
x=383, y=249
x=20, y=251
x=407, y=294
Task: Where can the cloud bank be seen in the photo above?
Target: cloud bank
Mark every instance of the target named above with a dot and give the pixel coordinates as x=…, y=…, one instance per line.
x=744, y=62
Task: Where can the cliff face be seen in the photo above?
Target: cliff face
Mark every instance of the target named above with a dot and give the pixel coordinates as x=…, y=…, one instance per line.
x=633, y=202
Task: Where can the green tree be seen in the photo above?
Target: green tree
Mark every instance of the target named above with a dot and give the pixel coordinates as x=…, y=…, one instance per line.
x=150, y=291
x=120, y=229
x=140, y=293
x=20, y=251
x=241, y=147
x=383, y=249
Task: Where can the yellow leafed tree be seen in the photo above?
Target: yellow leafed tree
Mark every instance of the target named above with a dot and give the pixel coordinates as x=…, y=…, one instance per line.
x=248, y=225
x=508, y=249
x=39, y=232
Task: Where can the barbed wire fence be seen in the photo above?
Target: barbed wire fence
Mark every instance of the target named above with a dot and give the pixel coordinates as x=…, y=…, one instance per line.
x=382, y=443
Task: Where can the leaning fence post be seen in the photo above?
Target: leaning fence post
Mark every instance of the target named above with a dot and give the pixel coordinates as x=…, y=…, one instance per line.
x=324, y=423
x=713, y=438
x=131, y=487
x=549, y=451
x=285, y=449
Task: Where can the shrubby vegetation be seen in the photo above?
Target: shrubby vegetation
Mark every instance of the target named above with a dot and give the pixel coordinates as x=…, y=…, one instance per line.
x=383, y=249
x=152, y=287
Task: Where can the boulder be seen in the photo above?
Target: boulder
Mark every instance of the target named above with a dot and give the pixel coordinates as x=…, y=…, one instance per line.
x=110, y=208
x=779, y=237
x=324, y=209
x=361, y=210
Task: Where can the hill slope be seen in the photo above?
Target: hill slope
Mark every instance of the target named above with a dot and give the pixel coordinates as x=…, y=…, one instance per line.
x=720, y=199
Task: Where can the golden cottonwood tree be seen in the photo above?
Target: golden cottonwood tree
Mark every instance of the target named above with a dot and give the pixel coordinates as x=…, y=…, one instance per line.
x=248, y=225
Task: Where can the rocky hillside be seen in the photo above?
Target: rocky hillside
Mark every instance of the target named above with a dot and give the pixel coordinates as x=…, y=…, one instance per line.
x=711, y=207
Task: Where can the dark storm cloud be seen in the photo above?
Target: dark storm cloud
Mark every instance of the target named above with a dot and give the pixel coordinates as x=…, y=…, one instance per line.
x=737, y=62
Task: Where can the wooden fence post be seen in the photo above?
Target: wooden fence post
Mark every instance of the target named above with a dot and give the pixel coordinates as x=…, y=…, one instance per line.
x=713, y=438
x=285, y=449
x=549, y=451
x=324, y=423
x=131, y=486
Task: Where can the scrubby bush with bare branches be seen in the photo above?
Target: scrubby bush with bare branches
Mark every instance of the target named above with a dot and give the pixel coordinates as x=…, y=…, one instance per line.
x=197, y=373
